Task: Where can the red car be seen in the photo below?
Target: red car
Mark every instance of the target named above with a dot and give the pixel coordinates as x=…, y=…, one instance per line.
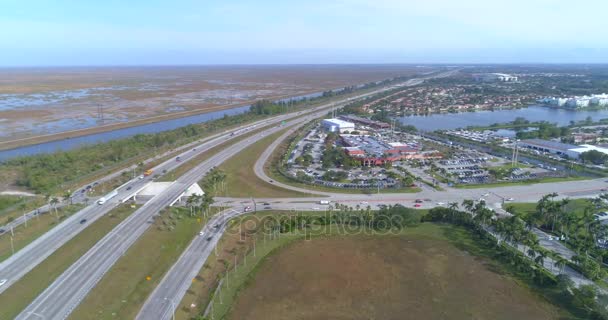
x=417, y=205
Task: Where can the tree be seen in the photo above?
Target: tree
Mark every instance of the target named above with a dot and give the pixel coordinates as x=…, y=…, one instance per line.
x=560, y=263
x=67, y=195
x=54, y=201
x=594, y=157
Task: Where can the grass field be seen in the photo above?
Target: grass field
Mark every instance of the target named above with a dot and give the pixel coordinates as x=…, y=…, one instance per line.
x=187, y=166
x=418, y=273
x=24, y=291
x=241, y=180
x=523, y=209
x=519, y=183
x=125, y=287
x=34, y=229
x=13, y=206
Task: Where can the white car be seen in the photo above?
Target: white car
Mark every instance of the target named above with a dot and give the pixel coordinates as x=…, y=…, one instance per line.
x=363, y=202
x=440, y=203
x=510, y=199
x=201, y=233
x=2, y=282
x=485, y=194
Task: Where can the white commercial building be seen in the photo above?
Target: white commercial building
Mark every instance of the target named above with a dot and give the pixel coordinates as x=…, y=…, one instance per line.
x=337, y=125
x=497, y=77
x=574, y=153
x=577, y=101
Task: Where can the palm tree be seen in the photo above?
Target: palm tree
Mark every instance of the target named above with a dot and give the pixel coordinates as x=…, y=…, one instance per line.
x=468, y=204
x=67, y=195
x=54, y=201
x=540, y=257
x=560, y=262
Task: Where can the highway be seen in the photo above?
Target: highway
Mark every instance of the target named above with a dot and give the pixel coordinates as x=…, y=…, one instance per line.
x=30, y=256
x=178, y=279
x=61, y=297
x=24, y=260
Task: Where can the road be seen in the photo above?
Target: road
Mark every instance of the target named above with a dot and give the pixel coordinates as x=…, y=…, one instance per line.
x=64, y=294
x=175, y=283
x=30, y=256
x=37, y=251
x=167, y=295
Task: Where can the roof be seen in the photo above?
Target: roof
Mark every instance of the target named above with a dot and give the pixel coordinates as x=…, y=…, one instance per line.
x=587, y=147
x=339, y=122
x=549, y=144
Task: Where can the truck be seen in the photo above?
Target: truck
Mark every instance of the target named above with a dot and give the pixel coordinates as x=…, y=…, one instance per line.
x=107, y=197
x=148, y=172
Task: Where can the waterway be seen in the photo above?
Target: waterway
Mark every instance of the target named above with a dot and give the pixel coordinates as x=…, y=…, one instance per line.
x=165, y=125
x=448, y=121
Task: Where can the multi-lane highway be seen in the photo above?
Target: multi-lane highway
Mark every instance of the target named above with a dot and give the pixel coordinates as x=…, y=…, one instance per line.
x=167, y=295
x=69, y=289
x=30, y=256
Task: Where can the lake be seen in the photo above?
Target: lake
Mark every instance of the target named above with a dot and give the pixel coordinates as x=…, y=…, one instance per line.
x=447, y=121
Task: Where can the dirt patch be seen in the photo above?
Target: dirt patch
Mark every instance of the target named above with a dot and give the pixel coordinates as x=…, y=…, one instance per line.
x=404, y=277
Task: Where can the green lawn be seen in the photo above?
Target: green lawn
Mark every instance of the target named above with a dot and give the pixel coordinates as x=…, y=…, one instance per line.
x=36, y=227
x=523, y=209
x=13, y=206
x=125, y=287
x=24, y=291
x=241, y=180
x=519, y=183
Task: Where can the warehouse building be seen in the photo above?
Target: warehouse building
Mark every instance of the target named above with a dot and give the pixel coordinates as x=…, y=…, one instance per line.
x=337, y=125
x=547, y=146
x=562, y=149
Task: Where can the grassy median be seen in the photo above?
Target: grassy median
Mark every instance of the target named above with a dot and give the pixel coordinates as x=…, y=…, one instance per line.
x=125, y=287
x=36, y=227
x=24, y=291
x=241, y=180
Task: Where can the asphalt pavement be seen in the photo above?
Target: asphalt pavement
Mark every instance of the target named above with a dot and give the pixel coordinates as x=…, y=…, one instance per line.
x=66, y=292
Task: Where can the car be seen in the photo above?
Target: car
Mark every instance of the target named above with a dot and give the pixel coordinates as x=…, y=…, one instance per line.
x=83, y=190
x=83, y=221
x=209, y=238
x=201, y=233
x=440, y=203
x=2, y=282
x=247, y=209
x=364, y=202
x=266, y=203
x=485, y=194
x=216, y=226
x=417, y=205
x=418, y=201
x=194, y=149
x=603, y=189
x=510, y=199
x=270, y=181
x=129, y=188
x=141, y=177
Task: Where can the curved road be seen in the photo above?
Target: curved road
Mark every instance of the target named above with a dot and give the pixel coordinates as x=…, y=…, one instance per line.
x=64, y=294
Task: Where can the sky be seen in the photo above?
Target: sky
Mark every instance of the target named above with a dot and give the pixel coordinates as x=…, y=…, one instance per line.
x=178, y=32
